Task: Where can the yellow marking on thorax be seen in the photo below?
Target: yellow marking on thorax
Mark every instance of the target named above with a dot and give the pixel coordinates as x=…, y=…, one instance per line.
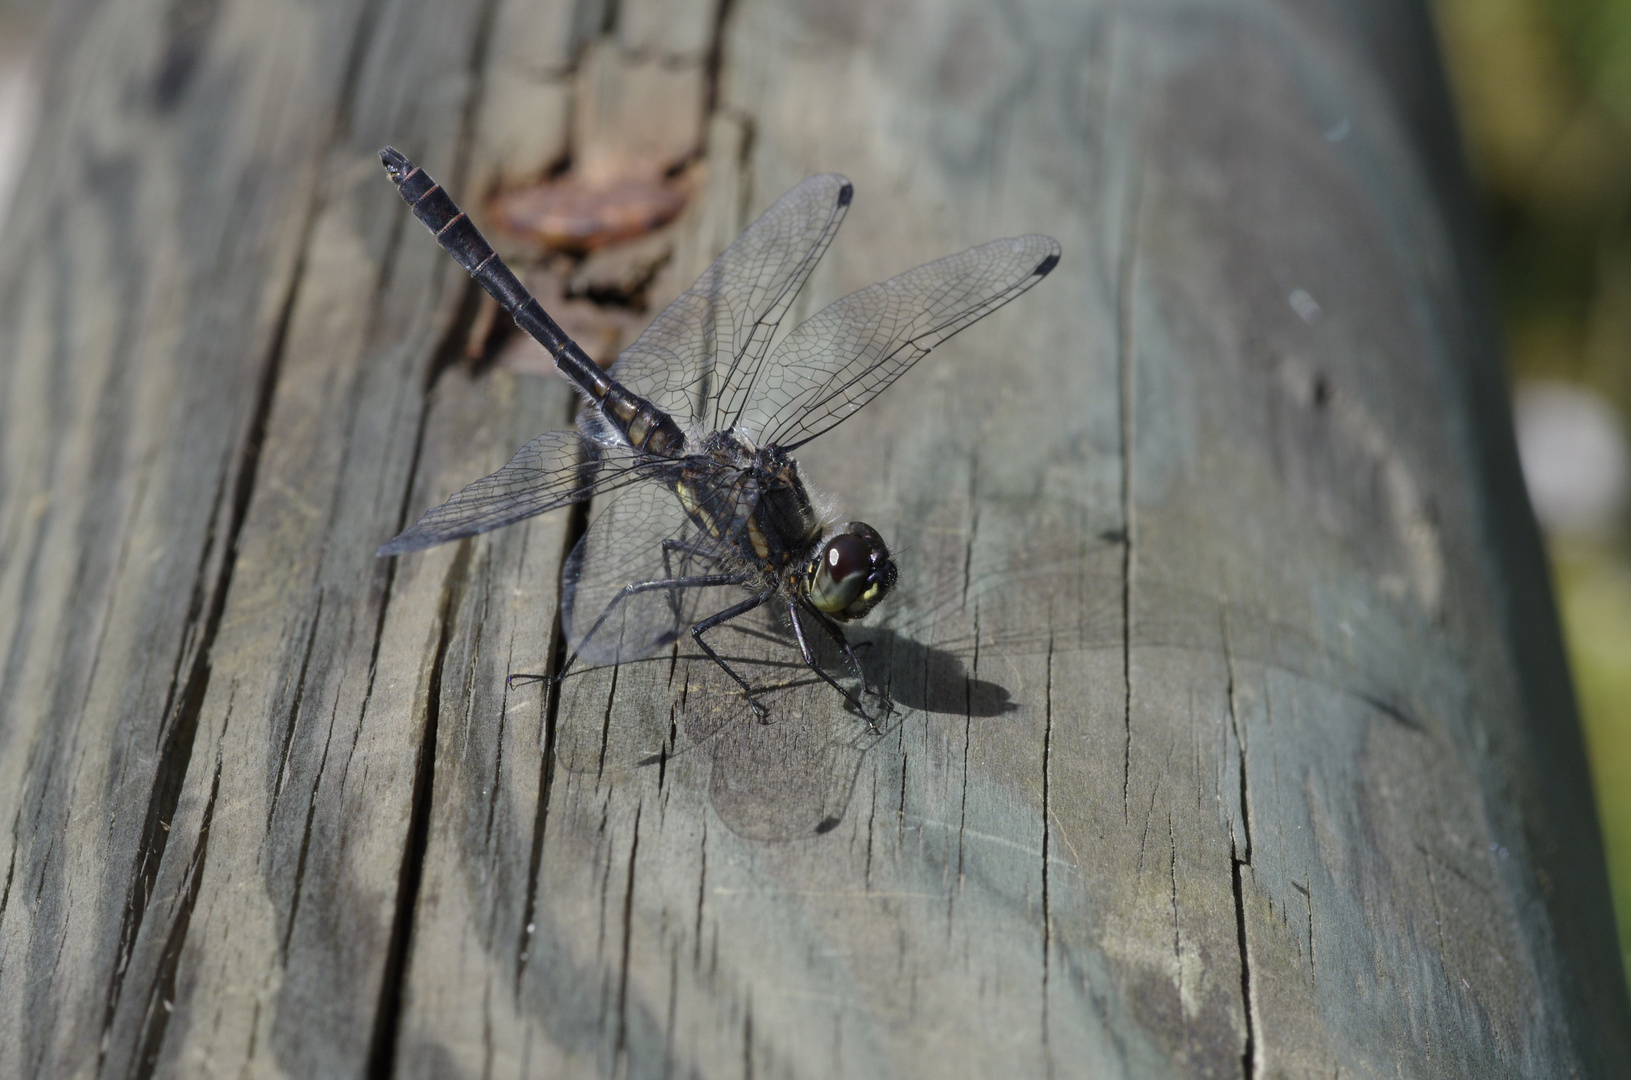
x=756, y=536
x=688, y=501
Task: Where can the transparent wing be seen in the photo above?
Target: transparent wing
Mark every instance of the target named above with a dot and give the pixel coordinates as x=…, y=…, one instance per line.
x=846, y=354
x=644, y=535
x=555, y=469
x=718, y=329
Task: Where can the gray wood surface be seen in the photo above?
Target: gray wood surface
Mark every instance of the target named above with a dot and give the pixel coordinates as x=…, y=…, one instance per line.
x=1233, y=735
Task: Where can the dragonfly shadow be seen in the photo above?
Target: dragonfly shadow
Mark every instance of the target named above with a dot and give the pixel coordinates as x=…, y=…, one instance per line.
x=793, y=773
x=788, y=776
x=928, y=678
x=911, y=674
x=791, y=777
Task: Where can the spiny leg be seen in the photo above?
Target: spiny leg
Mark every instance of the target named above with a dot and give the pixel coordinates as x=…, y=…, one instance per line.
x=833, y=630
x=810, y=660
x=700, y=581
x=670, y=547
x=725, y=616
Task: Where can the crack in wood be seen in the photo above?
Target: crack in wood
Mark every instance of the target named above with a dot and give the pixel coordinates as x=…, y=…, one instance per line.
x=161, y=995
x=606, y=725
x=702, y=894
x=495, y=784
x=1126, y=345
x=388, y=1015
x=900, y=808
x=254, y=1031
x=1248, y=1059
x=356, y=736
x=294, y=714
x=973, y=524
x=196, y=602
x=1177, y=944
x=871, y=827
x=305, y=834
x=603, y=835
x=962, y=822
x=1149, y=814
x=969, y=682
x=1047, y=851
x=11, y=866
x=620, y=1048
x=1308, y=902
x=1240, y=741
x=577, y=523
x=1248, y=1054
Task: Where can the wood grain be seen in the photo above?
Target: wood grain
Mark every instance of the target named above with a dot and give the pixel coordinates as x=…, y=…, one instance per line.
x=1232, y=734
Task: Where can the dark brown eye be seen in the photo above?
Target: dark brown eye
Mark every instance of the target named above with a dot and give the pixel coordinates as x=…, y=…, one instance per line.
x=851, y=573
x=847, y=555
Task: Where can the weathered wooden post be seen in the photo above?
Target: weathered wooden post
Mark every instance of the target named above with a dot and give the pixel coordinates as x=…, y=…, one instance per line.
x=1233, y=733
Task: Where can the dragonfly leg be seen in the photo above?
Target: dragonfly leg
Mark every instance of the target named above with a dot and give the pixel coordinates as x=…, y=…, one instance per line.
x=670, y=548
x=700, y=581
x=810, y=660
x=726, y=616
x=833, y=630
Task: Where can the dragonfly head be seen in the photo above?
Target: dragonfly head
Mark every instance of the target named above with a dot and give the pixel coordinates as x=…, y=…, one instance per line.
x=851, y=572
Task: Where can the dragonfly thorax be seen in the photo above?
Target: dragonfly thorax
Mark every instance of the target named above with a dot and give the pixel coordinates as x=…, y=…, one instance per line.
x=753, y=500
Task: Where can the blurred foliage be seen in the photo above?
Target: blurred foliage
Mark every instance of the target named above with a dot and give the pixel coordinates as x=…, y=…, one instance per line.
x=1544, y=92
x=1595, y=586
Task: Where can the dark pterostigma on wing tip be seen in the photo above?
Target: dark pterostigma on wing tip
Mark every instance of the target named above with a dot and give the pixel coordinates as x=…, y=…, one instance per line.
x=846, y=193
x=1047, y=264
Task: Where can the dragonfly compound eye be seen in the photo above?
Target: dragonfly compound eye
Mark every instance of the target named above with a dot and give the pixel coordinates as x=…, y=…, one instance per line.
x=851, y=573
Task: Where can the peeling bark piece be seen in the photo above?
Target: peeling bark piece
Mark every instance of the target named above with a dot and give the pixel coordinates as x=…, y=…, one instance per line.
x=576, y=215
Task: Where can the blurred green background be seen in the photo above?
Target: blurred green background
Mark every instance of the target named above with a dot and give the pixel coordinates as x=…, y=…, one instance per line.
x=1544, y=92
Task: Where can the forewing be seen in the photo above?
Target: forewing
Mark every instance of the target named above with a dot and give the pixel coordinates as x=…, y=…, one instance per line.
x=556, y=469
x=624, y=546
x=713, y=336
x=846, y=354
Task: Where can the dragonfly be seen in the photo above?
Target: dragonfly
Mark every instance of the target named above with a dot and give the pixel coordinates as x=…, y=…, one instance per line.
x=690, y=433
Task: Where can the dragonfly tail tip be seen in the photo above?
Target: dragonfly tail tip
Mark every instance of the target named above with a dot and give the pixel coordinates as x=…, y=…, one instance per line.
x=396, y=163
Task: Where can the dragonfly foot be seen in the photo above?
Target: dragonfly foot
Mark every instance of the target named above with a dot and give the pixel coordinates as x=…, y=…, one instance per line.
x=883, y=699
